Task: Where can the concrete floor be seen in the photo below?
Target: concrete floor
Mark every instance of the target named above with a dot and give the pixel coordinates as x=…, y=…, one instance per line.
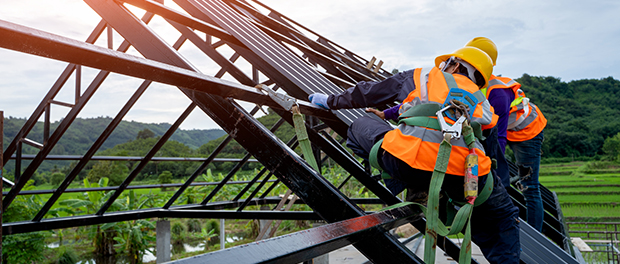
x=350, y=255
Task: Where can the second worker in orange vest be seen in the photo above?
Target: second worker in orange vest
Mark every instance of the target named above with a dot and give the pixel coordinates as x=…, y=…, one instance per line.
x=521, y=123
x=408, y=153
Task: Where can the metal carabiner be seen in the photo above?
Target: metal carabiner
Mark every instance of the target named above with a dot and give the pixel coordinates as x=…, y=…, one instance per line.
x=456, y=129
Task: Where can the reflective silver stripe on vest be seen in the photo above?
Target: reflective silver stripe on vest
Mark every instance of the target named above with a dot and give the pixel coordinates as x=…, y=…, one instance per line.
x=423, y=92
x=434, y=136
x=423, y=83
x=524, y=105
x=487, y=114
x=407, y=105
x=493, y=82
x=527, y=121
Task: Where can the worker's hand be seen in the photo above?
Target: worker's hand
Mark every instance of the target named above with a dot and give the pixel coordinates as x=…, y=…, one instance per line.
x=376, y=112
x=319, y=100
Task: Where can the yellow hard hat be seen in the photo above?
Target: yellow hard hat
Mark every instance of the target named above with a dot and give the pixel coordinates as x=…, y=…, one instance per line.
x=486, y=45
x=475, y=57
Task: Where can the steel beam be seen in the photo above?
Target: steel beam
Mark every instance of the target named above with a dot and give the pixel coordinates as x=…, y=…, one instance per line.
x=293, y=143
x=54, y=138
x=305, y=79
x=357, y=60
x=91, y=152
x=44, y=105
x=236, y=168
x=274, y=155
x=131, y=187
x=160, y=142
x=112, y=217
x=328, y=58
x=1, y=175
x=32, y=41
x=132, y=158
x=304, y=245
x=197, y=172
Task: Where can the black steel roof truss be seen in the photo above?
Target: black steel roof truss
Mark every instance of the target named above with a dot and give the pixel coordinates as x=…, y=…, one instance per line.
x=91, y=152
x=274, y=47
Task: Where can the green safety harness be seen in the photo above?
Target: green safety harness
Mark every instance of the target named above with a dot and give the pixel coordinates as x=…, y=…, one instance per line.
x=423, y=116
x=420, y=115
x=302, y=138
x=290, y=103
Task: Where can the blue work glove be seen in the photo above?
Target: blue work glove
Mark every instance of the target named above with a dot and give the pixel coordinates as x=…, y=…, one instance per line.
x=319, y=99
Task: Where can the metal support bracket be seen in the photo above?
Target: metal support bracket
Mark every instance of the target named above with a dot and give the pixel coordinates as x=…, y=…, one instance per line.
x=283, y=100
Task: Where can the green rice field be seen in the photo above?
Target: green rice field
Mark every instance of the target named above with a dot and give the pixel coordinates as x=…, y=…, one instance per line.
x=586, y=191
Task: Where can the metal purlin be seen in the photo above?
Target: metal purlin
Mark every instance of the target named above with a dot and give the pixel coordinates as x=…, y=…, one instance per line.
x=192, y=94
x=348, y=57
x=245, y=128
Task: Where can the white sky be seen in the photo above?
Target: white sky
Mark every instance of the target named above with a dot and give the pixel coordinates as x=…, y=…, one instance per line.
x=567, y=39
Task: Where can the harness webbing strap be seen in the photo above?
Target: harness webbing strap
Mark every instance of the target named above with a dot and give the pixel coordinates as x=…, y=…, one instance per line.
x=420, y=115
x=373, y=158
x=450, y=81
x=302, y=138
x=432, y=214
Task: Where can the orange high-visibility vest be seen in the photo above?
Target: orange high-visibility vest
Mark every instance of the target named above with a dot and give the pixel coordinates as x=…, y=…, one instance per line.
x=418, y=146
x=525, y=120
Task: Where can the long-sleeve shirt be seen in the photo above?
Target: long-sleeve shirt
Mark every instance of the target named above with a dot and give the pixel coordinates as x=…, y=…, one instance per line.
x=500, y=99
x=392, y=112
x=372, y=94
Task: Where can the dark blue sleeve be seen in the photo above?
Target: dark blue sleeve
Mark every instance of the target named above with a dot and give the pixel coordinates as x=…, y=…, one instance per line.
x=371, y=94
x=500, y=99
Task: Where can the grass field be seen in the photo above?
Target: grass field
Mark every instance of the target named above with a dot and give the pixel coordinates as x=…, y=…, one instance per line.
x=586, y=190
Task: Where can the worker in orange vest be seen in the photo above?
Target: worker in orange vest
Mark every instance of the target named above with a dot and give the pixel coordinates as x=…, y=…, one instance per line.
x=521, y=125
x=409, y=152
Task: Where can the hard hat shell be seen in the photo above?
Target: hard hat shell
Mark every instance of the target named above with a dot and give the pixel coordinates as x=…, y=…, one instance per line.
x=486, y=45
x=475, y=57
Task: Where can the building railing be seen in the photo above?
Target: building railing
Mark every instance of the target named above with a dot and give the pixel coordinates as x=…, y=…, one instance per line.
x=602, y=237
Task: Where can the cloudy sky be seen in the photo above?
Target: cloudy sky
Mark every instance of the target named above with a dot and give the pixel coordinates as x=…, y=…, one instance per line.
x=568, y=39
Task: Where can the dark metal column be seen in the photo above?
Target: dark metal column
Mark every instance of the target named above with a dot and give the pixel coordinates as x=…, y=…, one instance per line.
x=1, y=175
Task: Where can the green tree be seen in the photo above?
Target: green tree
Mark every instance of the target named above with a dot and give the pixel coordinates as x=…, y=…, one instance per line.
x=114, y=171
x=611, y=147
x=57, y=178
x=164, y=178
x=213, y=226
x=177, y=230
x=145, y=133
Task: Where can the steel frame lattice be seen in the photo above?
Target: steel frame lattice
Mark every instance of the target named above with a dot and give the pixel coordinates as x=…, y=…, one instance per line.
x=282, y=54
